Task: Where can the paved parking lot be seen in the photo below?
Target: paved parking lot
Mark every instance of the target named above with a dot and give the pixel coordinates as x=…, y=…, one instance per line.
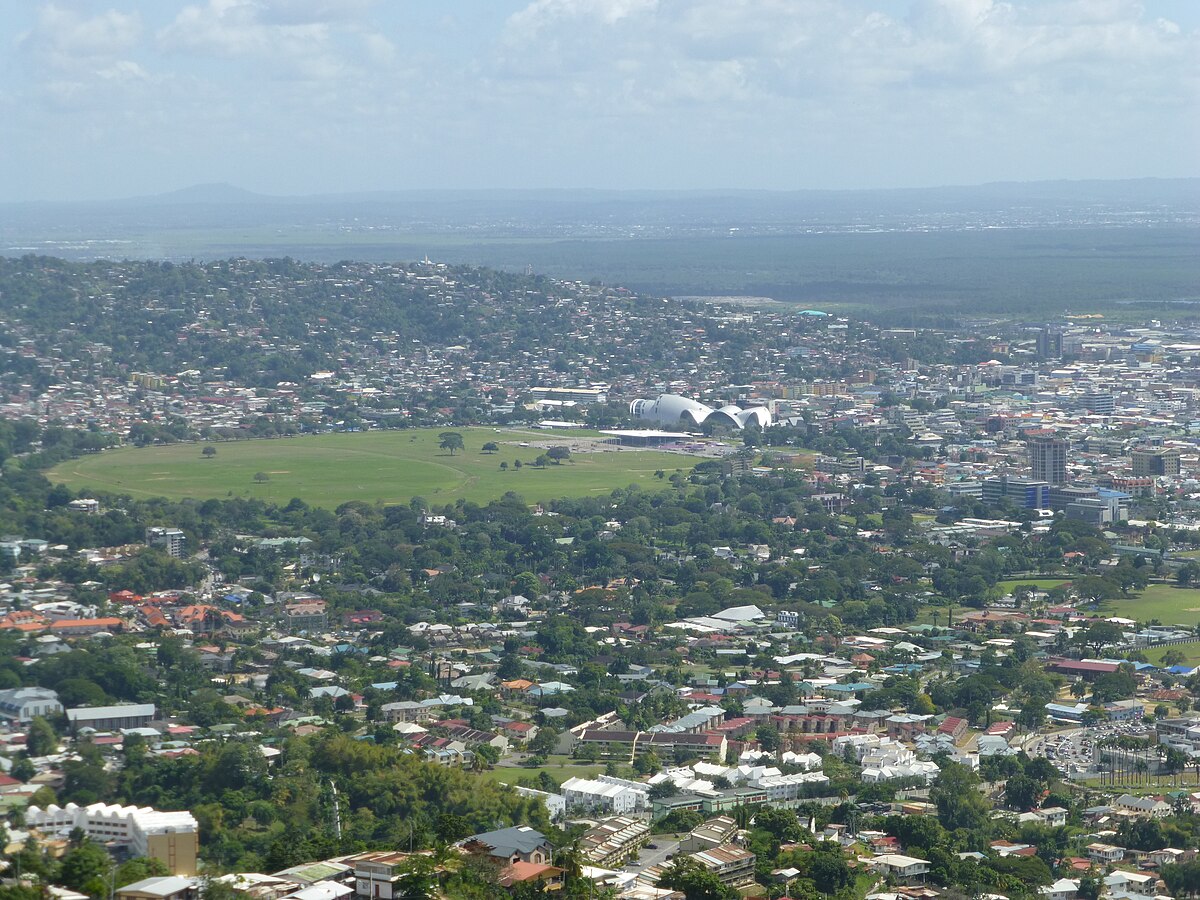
x=1073, y=750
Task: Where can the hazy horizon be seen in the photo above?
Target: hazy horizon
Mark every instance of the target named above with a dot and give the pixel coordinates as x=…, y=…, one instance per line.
x=131, y=98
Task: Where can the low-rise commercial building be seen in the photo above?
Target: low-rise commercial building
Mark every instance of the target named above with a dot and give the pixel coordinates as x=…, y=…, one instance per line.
x=172, y=837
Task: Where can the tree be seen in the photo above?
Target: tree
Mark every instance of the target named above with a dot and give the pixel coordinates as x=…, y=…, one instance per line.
x=1099, y=635
x=491, y=447
x=647, y=764
x=22, y=769
x=1118, y=685
x=662, y=790
x=209, y=452
x=1093, y=588
x=1173, y=657
x=1090, y=887
x=450, y=440
x=955, y=793
x=767, y=737
x=85, y=868
x=1022, y=792
x=138, y=868
x=829, y=872
x=781, y=823
x=559, y=454
x=694, y=881
x=544, y=741
x=916, y=833
x=40, y=740
x=261, y=477
x=211, y=889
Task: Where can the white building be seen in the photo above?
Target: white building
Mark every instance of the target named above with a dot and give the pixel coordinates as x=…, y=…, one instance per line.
x=1140, y=883
x=23, y=704
x=671, y=409
x=905, y=869
x=1063, y=889
x=172, y=837
x=617, y=798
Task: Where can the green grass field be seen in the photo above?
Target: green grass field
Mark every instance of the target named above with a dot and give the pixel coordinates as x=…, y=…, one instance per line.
x=1165, y=602
x=389, y=466
x=559, y=771
x=1191, y=653
x=1044, y=584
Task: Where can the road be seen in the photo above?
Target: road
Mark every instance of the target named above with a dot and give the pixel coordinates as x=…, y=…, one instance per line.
x=648, y=857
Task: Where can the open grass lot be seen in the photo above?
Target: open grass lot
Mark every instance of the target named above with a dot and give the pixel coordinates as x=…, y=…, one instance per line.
x=1044, y=584
x=389, y=466
x=559, y=771
x=1191, y=653
x=1165, y=602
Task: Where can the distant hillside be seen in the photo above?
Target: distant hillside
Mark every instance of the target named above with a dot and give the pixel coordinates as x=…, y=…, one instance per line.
x=217, y=193
x=1003, y=247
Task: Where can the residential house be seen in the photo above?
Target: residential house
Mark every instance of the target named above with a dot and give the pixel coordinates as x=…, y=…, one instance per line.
x=377, y=873
x=545, y=878
x=1142, y=884
x=1105, y=853
x=905, y=869
x=1063, y=889
x=22, y=704
x=1152, y=807
x=510, y=845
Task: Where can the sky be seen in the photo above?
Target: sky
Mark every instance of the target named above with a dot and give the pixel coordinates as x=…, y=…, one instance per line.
x=111, y=99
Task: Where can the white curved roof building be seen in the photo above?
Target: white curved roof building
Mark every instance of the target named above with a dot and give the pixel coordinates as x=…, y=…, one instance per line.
x=674, y=410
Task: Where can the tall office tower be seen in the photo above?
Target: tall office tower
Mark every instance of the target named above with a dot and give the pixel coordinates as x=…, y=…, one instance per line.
x=1049, y=344
x=1048, y=459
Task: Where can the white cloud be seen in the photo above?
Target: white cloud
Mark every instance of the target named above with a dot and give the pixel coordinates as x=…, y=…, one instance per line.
x=541, y=14
x=239, y=28
x=66, y=39
x=610, y=92
x=846, y=46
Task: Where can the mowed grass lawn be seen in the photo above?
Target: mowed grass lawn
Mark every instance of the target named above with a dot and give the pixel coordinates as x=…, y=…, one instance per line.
x=559, y=772
x=389, y=466
x=1191, y=653
x=1165, y=602
x=1042, y=584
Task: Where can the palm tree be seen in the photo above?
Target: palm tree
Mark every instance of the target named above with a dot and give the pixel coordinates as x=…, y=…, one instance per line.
x=570, y=860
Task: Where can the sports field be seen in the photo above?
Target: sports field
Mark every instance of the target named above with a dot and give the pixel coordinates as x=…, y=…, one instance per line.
x=389, y=466
x=1165, y=602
